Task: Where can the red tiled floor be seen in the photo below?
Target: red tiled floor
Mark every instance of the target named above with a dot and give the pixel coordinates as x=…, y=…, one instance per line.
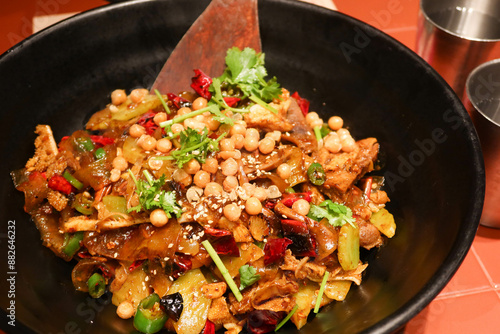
x=470, y=303
x=465, y=314
x=486, y=245
x=16, y=16
x=397, y=18
x=469, y=279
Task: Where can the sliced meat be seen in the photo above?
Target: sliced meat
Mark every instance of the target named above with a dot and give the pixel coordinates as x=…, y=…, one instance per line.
x=301, y=135
x=45, y=150
x=344, y=169
x=137, y=242
x=263, y=119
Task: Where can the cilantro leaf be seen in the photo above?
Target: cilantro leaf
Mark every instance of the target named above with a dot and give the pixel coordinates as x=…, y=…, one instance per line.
x=245, y=69
x=195, y=145
x=337, y=214
x=248, y=276
x=152, y=196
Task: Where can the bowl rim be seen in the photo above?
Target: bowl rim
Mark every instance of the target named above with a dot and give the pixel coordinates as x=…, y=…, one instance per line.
x=460, y=247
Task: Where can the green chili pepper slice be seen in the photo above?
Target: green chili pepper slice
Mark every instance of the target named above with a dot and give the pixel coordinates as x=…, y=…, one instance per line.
x=83, y=204
x=84, y=144
x=149, y=317
x=97, y=285
x=316, y=174
x=100, y=153
x=72, y=180
x=72, y=243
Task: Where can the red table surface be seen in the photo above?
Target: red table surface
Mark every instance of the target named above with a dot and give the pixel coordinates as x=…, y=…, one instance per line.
x=470, y=303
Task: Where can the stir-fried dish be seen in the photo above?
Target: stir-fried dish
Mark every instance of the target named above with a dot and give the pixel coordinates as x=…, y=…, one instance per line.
x=230, y=207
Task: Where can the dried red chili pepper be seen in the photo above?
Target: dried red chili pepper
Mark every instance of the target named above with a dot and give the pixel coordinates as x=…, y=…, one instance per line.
x=147, y=121
x=215, y=232
x=209, y=328
x=368, y=187
x=303, y=245
x=182, y=264
x=101, y=141
x=225, y=245
x=59, y=183
x=231, y=101
x=200, y=84
x=289, y=199
x=303, y=103
x=291, y=226
x=274, y=250
x=107, y=272
x=178, y=101
x=270, y=204
x=263, y=321
x=136, y=264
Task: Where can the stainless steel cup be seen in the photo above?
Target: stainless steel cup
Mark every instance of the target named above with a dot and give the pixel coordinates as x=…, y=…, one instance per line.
x=455, y=36
x=482, y=101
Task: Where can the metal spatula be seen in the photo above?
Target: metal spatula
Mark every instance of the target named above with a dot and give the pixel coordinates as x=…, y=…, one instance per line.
x=223, y=24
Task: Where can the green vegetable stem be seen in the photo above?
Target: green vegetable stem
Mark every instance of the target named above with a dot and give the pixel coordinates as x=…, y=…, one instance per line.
x=72, y=180
x=72, y=243
x=149, y=317
x=223, y=270
x=316, y=174
x=97, y=285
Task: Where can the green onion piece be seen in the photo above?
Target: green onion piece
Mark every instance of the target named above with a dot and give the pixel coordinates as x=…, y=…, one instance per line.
x=165, y=106
x=149, y=317
x=262, y=103
x=295, y=308
x=321, y=290
x=173, y=135
x=325, y=130
x=316, y=174
x=72, y=180
x=83, y=204
x=148, y=176
x=223, y=270
x=100, y=153
x=97, y=285
x=182, y=118
x=290, y=190
x=84, y=144
x=317, y=133
x=72, y=243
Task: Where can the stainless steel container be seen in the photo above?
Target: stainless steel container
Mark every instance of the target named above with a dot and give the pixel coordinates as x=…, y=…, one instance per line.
x=482, y=101
x=455, y=36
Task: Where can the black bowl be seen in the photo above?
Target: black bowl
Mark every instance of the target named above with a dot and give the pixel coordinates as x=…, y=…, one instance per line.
x=433, y=162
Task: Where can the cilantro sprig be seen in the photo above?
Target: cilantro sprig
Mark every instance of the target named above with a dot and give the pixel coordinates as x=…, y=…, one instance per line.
x=337, y=214
x=245, y=69
x=194, y=145
x=213, y=109
x=248, y=276
x=152, y=196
